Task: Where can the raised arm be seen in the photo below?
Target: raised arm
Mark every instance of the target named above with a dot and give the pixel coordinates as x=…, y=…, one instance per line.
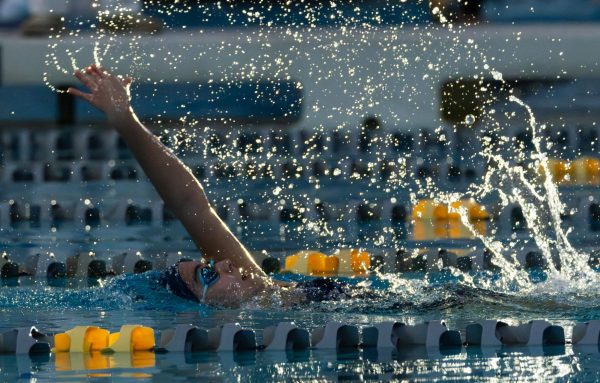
x=173, y=180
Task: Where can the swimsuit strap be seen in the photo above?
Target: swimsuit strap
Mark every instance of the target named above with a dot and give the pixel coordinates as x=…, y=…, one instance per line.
x=324, y=289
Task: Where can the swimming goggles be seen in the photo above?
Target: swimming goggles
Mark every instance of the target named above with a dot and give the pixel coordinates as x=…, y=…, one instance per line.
x=208, y=276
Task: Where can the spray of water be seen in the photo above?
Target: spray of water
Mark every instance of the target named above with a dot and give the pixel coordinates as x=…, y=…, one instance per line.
x=528, y=186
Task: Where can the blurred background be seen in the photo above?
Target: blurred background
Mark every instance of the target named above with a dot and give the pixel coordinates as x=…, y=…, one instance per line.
x=312, y=124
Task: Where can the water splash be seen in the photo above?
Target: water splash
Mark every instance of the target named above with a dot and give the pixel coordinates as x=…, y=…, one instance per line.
x=529, y=185
x=513, y=183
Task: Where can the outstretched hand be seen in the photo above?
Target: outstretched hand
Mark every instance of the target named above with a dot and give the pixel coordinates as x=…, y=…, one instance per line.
x=107, y=92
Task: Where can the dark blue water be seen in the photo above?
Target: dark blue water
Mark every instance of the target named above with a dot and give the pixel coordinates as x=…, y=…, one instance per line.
x=410, y=298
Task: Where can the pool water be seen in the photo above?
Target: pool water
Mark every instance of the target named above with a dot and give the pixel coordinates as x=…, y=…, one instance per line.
x=43, y=213
x=411, y=298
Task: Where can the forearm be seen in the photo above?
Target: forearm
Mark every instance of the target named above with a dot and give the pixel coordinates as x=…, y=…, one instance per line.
x=175, y=183
x=183, y=194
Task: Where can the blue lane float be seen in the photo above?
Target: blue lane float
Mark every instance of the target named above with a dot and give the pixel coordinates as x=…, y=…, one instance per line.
x=8, y=269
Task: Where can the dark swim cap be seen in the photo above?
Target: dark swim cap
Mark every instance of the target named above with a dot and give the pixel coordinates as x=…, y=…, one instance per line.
x=172, y=281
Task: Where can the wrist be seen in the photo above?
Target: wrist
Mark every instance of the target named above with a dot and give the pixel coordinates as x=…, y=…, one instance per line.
x=119, y=119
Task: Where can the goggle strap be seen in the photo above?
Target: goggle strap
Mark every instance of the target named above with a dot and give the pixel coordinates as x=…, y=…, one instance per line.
x=204, y=293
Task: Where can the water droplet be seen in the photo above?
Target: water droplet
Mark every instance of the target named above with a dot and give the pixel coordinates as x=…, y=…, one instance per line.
x=469, y=119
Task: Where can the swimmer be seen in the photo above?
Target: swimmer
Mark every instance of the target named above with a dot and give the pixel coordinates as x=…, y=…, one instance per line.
x=229, y=276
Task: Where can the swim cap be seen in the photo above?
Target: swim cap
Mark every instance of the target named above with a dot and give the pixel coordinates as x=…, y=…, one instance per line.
x=172, y=281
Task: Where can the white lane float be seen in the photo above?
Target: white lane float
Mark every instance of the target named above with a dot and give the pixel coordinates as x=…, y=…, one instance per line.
x=183, y=338
x=587, y=333
x=533, y=333
x=285, y=336
x=484, y=333
x=335, y=335
x=24, y=340
x=130, y=263
x=428, y=334
x=43, y=265
x=231, y=337
x=85, y=266
x=382, y=335
x=166, y=259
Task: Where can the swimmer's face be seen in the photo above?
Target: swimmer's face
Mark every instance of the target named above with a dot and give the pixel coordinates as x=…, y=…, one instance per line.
x=231, y=289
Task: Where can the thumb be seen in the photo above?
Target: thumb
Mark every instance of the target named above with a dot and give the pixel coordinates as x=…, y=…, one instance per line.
x=127, y=81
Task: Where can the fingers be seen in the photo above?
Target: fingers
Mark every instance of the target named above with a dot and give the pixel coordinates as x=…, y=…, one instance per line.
x=127, y=81
x=86, y=80
x=99, y=71
x=80, y=94
x=93, y=72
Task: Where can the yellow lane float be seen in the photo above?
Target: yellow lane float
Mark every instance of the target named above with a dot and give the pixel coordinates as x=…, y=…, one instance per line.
x=342, y=261
x=587, y=170
x=309, y=262
x=321, y=264
x=86, y=339
x=353, y=261
x=65, y=361
x=429, y=209
x=562, y=171
x=298, y=262
x=131, y=338
x=81, y=339
x=581, y=171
